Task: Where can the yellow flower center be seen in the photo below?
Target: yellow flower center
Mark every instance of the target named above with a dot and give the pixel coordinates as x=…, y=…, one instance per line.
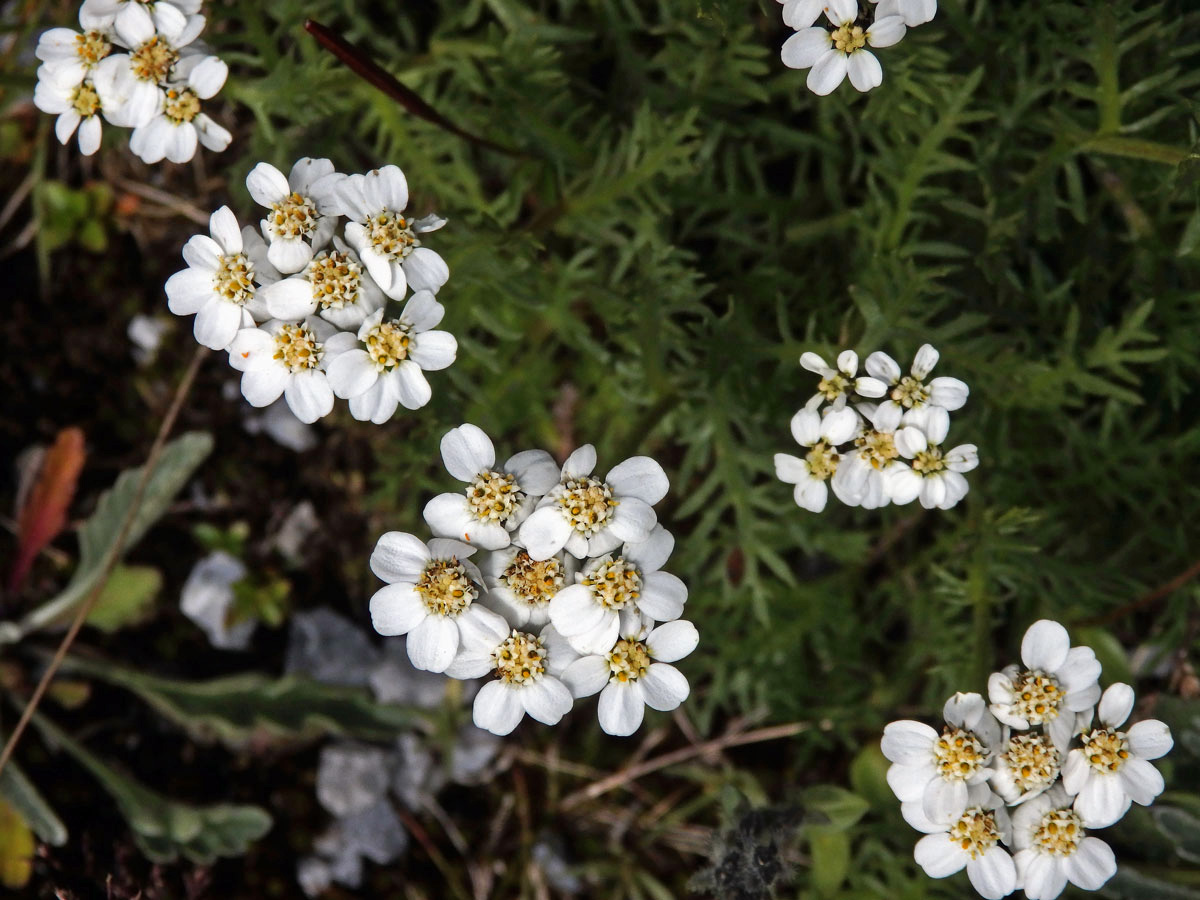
x=929, y=460
x=587, y=503
x=1106, y=750
x=85, y=100
x=520, y=659
x=298, y=348
x=445, y=588
x=92, y=47
x=1036, y=697
x=294, y=216
x=388, y=344
x=153, y=60
x=833, y=386
x=494, y=496
x=958, y=754
x=1059, y=833
x=533, y=581
x=1032, y=759
x=614, y=583
x=181, y=106
x=628, y=661
x=910, y=392
x=877, y=447
x=822, y=460
x=234, y=278
x=334, y=276
x=975, y=832
x=391, y=235
x=849, y=38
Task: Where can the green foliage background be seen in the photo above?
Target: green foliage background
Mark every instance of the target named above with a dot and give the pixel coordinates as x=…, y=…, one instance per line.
x=682, y=220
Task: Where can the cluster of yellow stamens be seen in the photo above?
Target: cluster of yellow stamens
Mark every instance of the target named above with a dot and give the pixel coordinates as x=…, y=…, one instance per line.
x=1059, y=833
x=1105, y=750
x=628, y=661
x=234, y=278
x=85, y=100
x=929, y=460
x=391, y=235
x=388, y=344
x=532, y=580
x=877, y=447
x=92, y=47
x=298, y=348
x=822, y=460
x=294, y=216
x=520, y=659
x=494, y=496
x=910, y=392
x=849, y=38
x=958, y=754
x=181, y=106
x=153, y=60
x=614, y=583
x=1032, y=759
x=833, y=386
x=445, y=588
x=1036, y=697
x=334, y=276
x=588, y=504
x=975, y=832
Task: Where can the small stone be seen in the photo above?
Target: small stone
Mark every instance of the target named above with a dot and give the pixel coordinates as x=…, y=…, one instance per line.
x=330, y=648
x=351, y=777
x=395, y=680
x=417, y=774
x=207, y=599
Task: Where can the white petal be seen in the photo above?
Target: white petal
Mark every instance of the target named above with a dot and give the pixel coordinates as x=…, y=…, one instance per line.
x=903, y=485
x=225, y=230
x=433, y=644
x=377, y=405
x=993, y=875
x=289, y=300
x=865, y=71
x=1042, y=876
x=621, y=708
x=811, y=494
x=1102, y=801
x=632, y=520
x=839, y=426
x=546, y=700
x=434, y=350
x=883, y=367
x=908, y=783
x=467, y=451
x=939, y=856
x=352, y=374
x=663, y=596
x=574, y=610
x=587, y=675
x=423, y=311
x=581, y=462
x=535, y=470
x=827, y=73
x=309, y=396
x=267, y=185
x=664, y=687
x=791, y=469
x=399, y=556
x=962, y=458
x=910, y=442
x=1150, y=739
x=290, y=255
x=544, y=533
x=262, y=387
x=425, y=270
x=497, y=708
x=1045, y=646
x=1140, y=780
x=651, y=554
x=408, y=383
x=217, y=324
x=1116, y=704
x=389, y=186
x=397, y=609
x=802, y=50
x=188, y=291
x=908, y=742
x=944, y=801
x=811, y=361
x=806, y=427
x=884, y=33
x=89, y=135
x=948, y=393
x=640, y=477
x=1091, y=865
x=449, y=515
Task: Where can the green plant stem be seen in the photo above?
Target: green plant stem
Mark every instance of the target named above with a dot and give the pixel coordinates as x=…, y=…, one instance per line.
x=110, y=561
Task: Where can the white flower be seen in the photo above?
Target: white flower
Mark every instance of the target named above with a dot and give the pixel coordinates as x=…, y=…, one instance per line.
x=1053, y=848
x=837, y=386
x=497, y=498
x=131, y=84
x=166, y=16
x=430, y=596
x=937, y=776
x=909, y=394
x=590, y=517
x=178, y=125
x=520, y=588
x=70, y=56
x=821, y=436
x=914, y=12
x=589, y=613
x=526, y=669
x=633, y=674
x=1057, y=682
x=333, y=284
x=383, y=366
x=1112, y=768
x=384, y=238
x=972, y=841
x=76, y=103
x=933, y=476
x=865, y=472
x=294, y=220
x=218, y=286
x=834, y=54
x=1028, y=763
x=283, y=358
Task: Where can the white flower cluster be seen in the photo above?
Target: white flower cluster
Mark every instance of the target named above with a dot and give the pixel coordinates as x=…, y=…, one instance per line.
x=309, y=305
x=839, y=48
x=136, y=64
x=1032, y=772
x=876, y=453
x=566, y=601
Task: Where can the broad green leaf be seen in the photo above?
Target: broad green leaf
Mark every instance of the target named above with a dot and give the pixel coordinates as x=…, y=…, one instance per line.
x=165, y=829
x=841, y=807
x=24, y=797
x=830, y=851
x=16, y=848
x=1182, y=828
x=127, y=598
x=98, y=535
x=240, y=708
x=1129, y=884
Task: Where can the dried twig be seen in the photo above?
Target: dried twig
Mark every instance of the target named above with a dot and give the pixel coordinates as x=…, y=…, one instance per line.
x=1155, y=595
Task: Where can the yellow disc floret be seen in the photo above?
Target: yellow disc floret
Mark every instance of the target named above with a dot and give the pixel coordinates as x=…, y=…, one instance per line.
x=628, y=661
x=1032, y=759
x=335, y=277
x=587, y=503
x=298, y=348
x=234, y=278
x=614, y=583
x=849, y=38
x=822, y=460
x=391, y=235
x=533, y=581
x=1059, y=832
x=92, y=47
x=910, y=392
x=494, y=496
x=181, y=106
x=153, y=60
x=85, y=100
x=388, y=344
x=1106, y=750
x=1036, y=697
x=958, y=754
x=877, y=448
x=295, y=216
x=520, y=659
x=445, y=587
x=975, y=832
